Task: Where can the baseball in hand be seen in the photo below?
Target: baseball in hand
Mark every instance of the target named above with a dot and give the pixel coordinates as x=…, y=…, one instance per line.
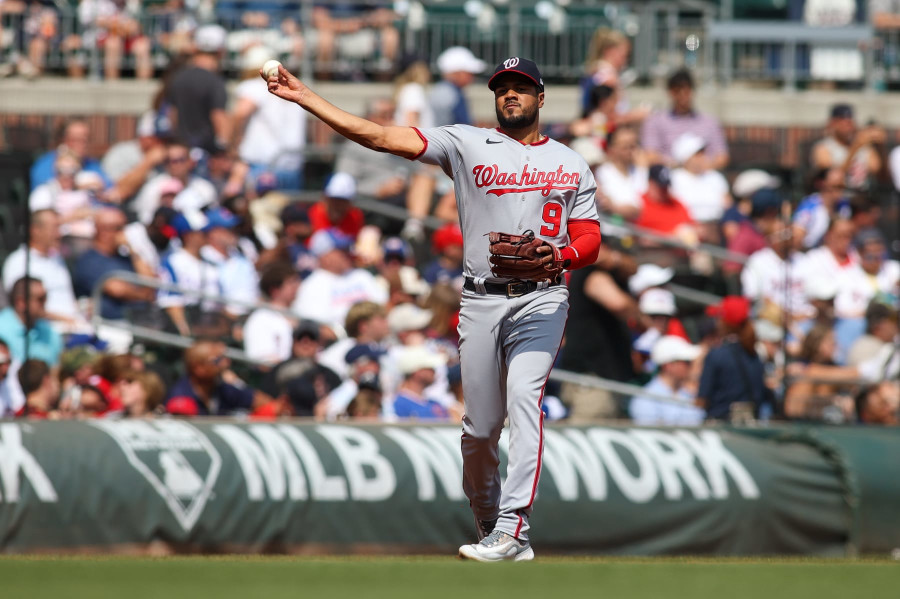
x=270, y=68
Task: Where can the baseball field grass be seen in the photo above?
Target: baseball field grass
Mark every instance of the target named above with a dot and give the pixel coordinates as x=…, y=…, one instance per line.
x=45, y=577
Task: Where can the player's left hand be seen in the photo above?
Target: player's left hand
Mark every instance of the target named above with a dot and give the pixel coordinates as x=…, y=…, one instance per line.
x=524, y=257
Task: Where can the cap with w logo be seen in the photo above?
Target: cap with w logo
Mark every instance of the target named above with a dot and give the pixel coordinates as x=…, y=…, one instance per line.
x=522, y=66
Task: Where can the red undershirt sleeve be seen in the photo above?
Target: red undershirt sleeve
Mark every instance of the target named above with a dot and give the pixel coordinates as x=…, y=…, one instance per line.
x=584, y=243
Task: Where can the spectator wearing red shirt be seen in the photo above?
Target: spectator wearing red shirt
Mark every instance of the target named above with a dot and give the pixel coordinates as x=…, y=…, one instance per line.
x=661, y=212
x=335, y=209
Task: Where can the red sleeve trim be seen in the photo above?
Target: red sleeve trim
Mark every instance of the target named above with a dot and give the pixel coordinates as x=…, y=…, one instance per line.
x=584, y=244
x=583, y=220
x=424, y=140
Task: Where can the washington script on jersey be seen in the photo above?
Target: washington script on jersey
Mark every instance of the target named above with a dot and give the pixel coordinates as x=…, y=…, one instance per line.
x=535, y=180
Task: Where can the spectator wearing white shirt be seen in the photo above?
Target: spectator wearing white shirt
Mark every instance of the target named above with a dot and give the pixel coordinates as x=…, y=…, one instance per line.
x=882, y=274
x=196, y=193
x=336, y=284
x=410, y=95
x=67, y=198
x=776, y=275
x=268, y=333
x=622, y=179
x=186, y=268
x=269, y=134
x=702, y=190
x=674, y=357
x=817, y=210
x=46, y=264
x=237, y=275
x=152, y=240
x=366, y=324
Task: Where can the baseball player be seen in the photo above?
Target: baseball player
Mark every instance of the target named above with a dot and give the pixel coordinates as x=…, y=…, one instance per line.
x=527, y=211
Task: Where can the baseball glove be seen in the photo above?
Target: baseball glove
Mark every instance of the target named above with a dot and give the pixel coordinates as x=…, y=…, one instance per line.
x=517, y=257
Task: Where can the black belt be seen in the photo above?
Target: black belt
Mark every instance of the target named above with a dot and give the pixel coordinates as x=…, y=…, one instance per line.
x=511, y=289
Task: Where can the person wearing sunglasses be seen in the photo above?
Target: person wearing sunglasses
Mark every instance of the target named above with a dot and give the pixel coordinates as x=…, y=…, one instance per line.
x=26, y=316
x=195, y=193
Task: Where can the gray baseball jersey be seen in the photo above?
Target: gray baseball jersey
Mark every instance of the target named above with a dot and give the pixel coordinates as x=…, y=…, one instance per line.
x=508, y=344
x=505, y=185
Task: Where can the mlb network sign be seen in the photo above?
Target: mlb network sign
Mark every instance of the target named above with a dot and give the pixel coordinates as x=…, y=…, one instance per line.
x=181, y=464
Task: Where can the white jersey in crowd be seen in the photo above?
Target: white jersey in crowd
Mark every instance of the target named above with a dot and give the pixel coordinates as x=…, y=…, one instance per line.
x=238, y=278
x=622, y=189
x=139, y=242
x=766, y=276
x=887, y=281
x=412, y=98
x=51, y=196
x=268, y=336
x=196, y=195
x=326, y=297
x=854, y=292
x=52, y=272
x=275, y=134
x=181, y=268
x=11, y=397
x=703, y=195
x=495, y=189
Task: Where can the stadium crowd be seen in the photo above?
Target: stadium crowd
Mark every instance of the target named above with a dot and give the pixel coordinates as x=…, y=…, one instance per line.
x=347, y=314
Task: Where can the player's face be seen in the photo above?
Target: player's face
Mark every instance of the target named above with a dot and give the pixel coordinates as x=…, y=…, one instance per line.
x=517, y=100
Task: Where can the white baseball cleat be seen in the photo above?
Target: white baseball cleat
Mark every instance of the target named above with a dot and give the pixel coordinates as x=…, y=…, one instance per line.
x=498, y=547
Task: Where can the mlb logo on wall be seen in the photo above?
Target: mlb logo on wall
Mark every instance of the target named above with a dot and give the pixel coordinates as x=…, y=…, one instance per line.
x=177, y=460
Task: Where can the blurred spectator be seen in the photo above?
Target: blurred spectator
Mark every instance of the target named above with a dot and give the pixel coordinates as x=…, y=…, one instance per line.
x=197, y=93
x=592, y=130
x=62, y=195
x=458, y=67
x=882, y=275
x=622, y=178
x=26, y=316
x=881, y=330
x=335, y=209
x=186, y=268
x=775, y=274
x=702, y=190
x=113, y=26
x=397, y=275
x=11, y=397
x=447, y=267
x=366, y=324
x=819, y=394
x=879, y=404
x=444, y=301
x=816, y=211
x=209, y=388
x=662, y=128
x=673, y=356
x=237, y=276
x=355, y=31
x=74, y=139
x=227, y=174
x=335, y=285
x=177, y=23
x=142, y=393
x=417, y=365
x=104, y=257
x=41, y=390
x=37, y=34
x=131, y=162
x=360, y=395
x=850, y=150
x=411, y=95
x=732, y=372
x=661, y=212
x=894, y=166
x=607, y=58
x=271, y=24
x=292, y=244
x=149, y=242
x=599, y=345
x=746, y=184
x=301, y=379
x=46, y=265
x=86, y=402
x=268, y=133
x=752, y=234
x=659, y=318
x=76, y=370
x=191, y=192
x=268, y=333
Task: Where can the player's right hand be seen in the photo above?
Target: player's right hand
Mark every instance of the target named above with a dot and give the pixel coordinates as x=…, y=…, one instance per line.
x=285, y=85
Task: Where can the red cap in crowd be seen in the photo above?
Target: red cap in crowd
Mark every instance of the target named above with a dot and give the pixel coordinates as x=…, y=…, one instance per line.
x=734, y=310
x=182, y=406
x=449, y=234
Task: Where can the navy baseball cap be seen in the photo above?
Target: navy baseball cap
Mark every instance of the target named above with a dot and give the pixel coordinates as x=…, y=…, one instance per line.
x=660, y=174
x=369, y=351
x=306, y=328
x=522, y=66
x=842, y=111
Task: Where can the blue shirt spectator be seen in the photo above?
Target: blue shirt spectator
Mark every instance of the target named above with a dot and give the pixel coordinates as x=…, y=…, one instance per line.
x=44, y=343
x=75, y=138
x=408, y=405
x=93, y=266
x=731, y=374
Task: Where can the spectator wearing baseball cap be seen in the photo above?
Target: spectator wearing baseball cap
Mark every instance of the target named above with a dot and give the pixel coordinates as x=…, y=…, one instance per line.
x=659, y=311
x=366, y=324
x=447, y=245
x=237, y=274
x=846, y=147
x=458, y=67
x=400, y=279
x=732, y=372
x=745, y=185
x=674, y=356
x=661, y=212
x=702, y=190
x=417, y=365
x=336, y=284
x=335, y=209
x=186, y=268
x=752, y=234
x=362, y=384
